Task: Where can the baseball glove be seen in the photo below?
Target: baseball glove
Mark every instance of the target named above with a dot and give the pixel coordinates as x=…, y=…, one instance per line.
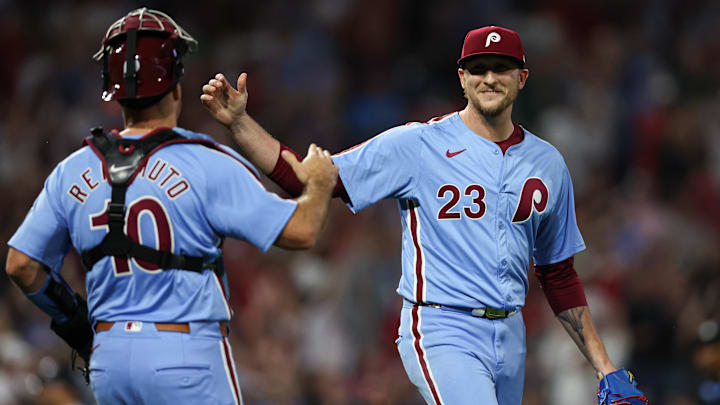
x=78, y=334
x=620, y=388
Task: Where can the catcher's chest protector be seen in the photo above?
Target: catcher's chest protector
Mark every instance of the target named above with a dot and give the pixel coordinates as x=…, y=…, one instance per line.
x=122, y=159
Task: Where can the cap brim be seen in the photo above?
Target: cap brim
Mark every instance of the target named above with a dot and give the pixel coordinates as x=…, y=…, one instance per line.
x=472, y=55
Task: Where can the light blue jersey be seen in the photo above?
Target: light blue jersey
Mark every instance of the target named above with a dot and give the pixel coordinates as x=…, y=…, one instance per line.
x=186, y=199
x=472, y=217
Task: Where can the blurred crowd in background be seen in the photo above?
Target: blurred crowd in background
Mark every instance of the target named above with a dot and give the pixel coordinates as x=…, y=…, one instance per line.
x=629, y=92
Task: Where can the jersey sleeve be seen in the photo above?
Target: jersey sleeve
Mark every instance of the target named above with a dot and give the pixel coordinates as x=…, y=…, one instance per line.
x=44, y=234
x=240, y=159
x=237, y=204
x=382, y=167
x=558, y=236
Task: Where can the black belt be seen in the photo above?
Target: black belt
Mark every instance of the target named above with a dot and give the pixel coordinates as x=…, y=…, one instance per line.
x=486, y=312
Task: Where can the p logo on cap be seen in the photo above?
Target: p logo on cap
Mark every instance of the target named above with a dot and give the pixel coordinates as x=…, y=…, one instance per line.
x=493, y=40
x=492, y=37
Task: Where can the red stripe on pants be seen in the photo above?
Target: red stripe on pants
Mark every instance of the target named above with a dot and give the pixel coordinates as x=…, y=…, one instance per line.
x=421, y=354
x=229, y=361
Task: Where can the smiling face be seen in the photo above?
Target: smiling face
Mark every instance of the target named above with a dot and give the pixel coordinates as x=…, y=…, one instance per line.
x=491, y=83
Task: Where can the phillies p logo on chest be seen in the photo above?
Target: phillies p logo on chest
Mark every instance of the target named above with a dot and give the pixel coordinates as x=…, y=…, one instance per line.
x=534, y=195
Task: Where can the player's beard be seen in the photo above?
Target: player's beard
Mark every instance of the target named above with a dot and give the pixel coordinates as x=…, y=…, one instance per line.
x=492, y=111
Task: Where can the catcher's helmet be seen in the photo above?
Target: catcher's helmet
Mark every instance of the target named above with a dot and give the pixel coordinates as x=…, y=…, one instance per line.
x=142, y=57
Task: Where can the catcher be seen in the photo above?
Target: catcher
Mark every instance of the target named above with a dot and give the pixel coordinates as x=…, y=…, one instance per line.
x=148, y=208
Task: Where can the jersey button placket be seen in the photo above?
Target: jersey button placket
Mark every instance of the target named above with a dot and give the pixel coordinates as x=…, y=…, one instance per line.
x=504, y=270
x=503, y=262
x=501, y=231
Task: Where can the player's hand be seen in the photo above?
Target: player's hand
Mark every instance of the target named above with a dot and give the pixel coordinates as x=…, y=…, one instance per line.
x=316, y=170
x=222, y=101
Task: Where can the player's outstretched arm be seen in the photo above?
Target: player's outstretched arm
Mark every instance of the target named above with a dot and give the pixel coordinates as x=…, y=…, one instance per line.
x=227, y=105
x=319, y=176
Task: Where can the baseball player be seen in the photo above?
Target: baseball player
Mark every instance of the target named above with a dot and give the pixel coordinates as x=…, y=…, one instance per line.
x=479, y=198
x=148, y=208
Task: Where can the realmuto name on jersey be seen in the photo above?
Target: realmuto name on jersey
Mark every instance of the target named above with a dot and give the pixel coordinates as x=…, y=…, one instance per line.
x=159, y=172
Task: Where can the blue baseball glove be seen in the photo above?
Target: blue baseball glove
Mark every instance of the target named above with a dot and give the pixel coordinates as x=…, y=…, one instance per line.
x=620, y=388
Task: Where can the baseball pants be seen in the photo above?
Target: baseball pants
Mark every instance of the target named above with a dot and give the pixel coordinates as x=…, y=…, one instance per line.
x=454, y=358
x=134, y=363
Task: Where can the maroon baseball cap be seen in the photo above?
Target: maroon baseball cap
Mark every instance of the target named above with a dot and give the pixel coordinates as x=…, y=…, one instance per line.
x=492, y=40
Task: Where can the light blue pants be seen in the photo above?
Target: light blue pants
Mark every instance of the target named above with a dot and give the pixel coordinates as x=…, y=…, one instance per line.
x=137, y=364
x=454, y=358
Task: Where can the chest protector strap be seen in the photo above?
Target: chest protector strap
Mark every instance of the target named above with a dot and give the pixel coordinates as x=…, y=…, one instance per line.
x=122, y=160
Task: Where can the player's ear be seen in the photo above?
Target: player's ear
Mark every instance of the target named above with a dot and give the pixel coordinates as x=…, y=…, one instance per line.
x=524, y=73
x=461, y=76
x=177, y=92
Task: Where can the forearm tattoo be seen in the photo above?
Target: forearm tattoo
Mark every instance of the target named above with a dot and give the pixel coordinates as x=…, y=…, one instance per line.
x=578, y=324
x=572, y=321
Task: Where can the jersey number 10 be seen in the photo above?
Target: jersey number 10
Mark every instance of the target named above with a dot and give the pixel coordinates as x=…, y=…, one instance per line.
x=163, y=231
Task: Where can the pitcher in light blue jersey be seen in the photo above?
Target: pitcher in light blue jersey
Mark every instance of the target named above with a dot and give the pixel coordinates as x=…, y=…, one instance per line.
x=480, y=198
x=148, y=208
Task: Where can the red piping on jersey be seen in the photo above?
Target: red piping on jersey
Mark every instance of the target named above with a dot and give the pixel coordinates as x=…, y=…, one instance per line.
x=421, y=354
x=561, y=285
x=222, y=286
x=408, y=123
x=436, y=119
x=224, y=293
x=419, y=281
x=359, y=145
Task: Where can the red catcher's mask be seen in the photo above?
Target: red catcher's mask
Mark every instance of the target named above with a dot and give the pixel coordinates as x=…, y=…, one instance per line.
x=142, y=57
